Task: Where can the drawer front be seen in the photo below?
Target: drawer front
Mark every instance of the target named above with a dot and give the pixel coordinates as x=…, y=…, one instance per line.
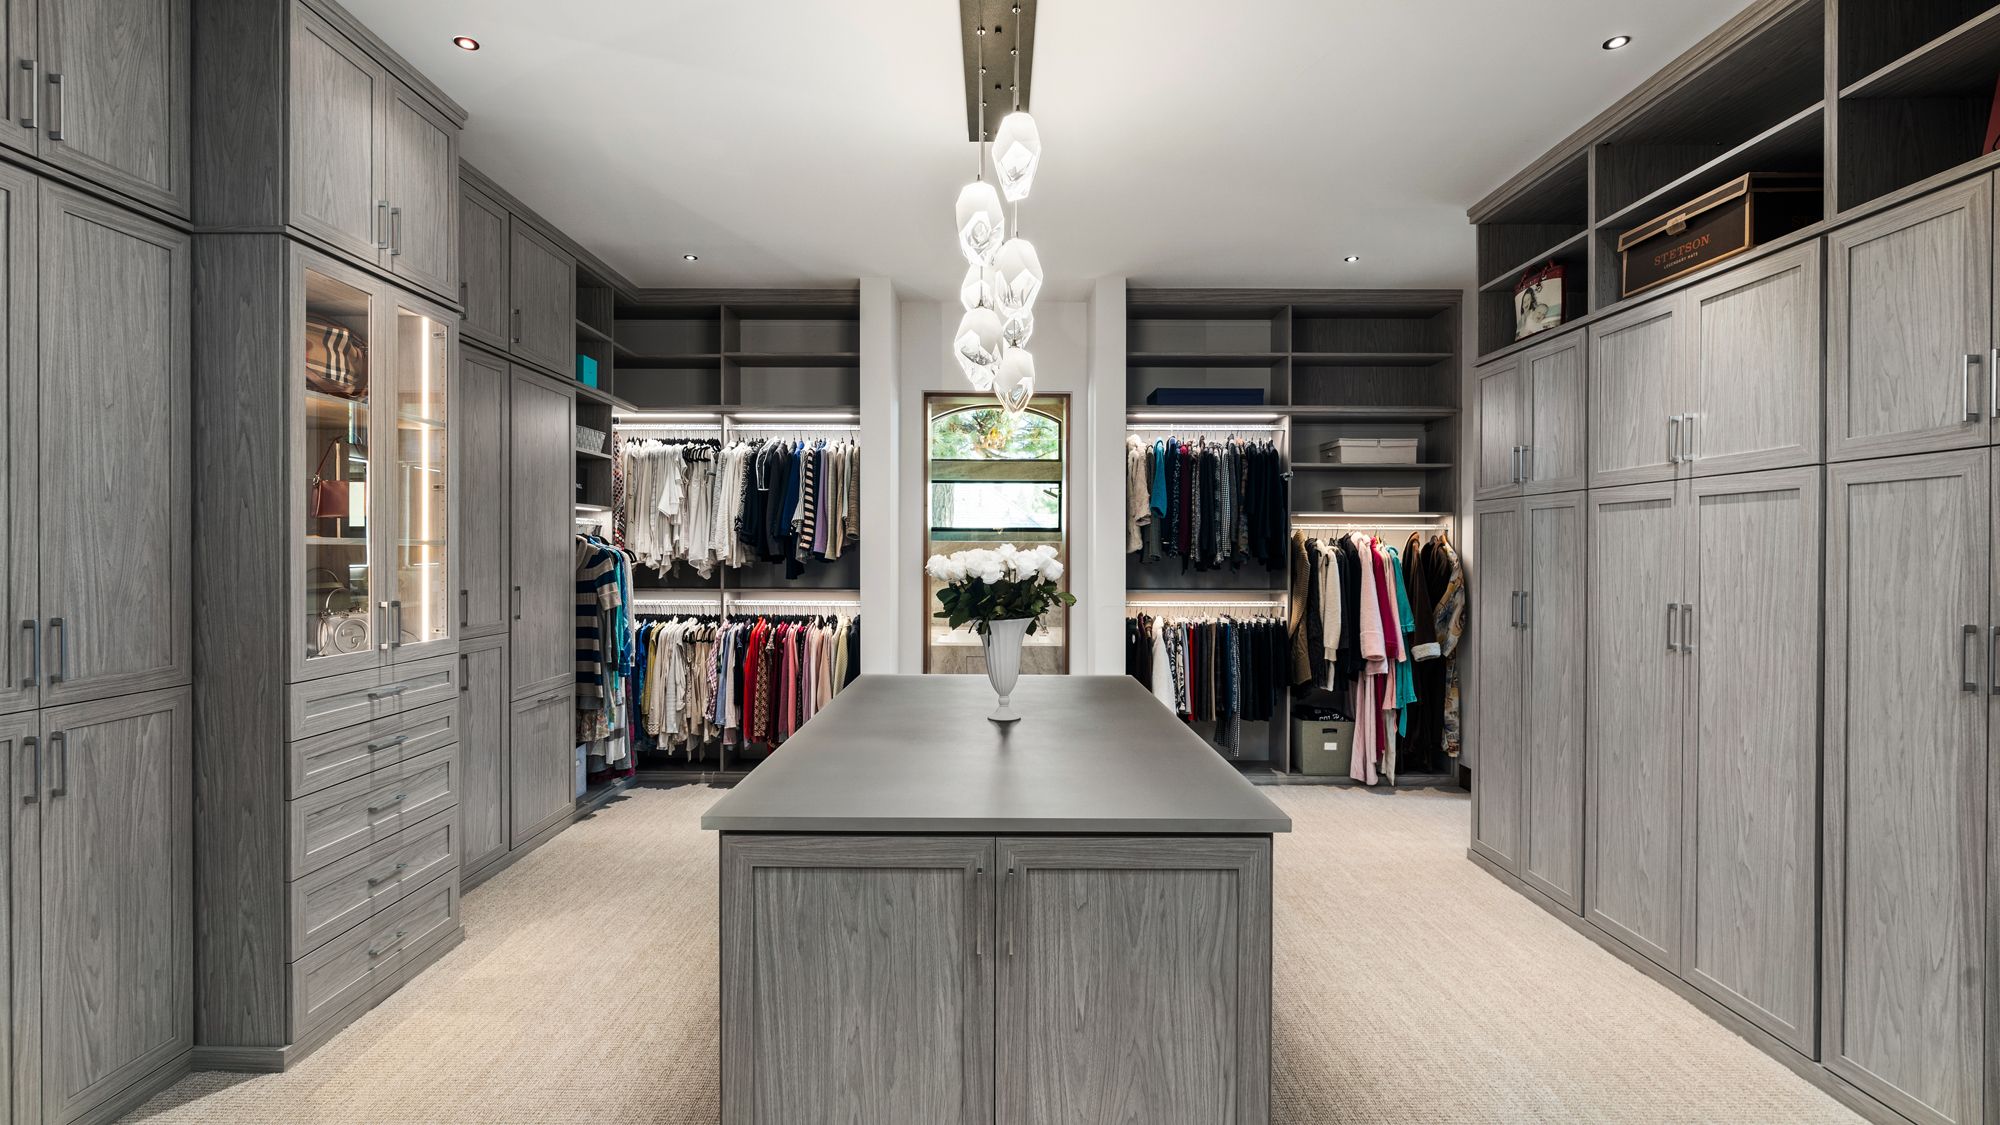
x=346, y=969
x=334, y=702
x=342, y=819
x=344, y=894
x=422, y=683
x=328, y=759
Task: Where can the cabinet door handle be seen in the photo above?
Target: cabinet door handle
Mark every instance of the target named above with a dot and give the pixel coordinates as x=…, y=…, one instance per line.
x=1965, y=680
x=32, y=119
x=1993, y=660
x=396, y=624
x=464, y=673
x=34, y=630
x=1993, y=382
x=978, y=928
x=382, y=626
x=464, y=608
x=1527, y=464
x=1012, y=924
x=59, y=742
x=462, y=303
x=56, y=106
x=517, y=326
x=1513, y=609
x=1525, y=608
x=34, y=794
x=1673, y=611
x=1674, y=438
x=1688, y=453
x=395, y=232
x=1965, y=388
x=1687, y=627
x=381, y=224
x=517, y=603
x=59, y=633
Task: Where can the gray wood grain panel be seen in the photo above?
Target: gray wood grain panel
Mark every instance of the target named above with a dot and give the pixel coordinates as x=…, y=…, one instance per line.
x=1905, y=778
x=1497, y=727
x=122, y=99
x=20, y=920
x=1553, y=714
x=1909, y=296
x=1501, y=421
x=1141, y=769
x=541, y=764
x=333, y=703
x=20, y=438
x=422, y=174
x=483, y=444
x=541, y=466
x=337, y=168
x=343, y=895
x=240, y=117
x=343, y=819
x=482, y=266
x=357, y=751
x=117, y=842
x=1553, y=381
x=114, y=458
x=17, y=39
x=1755, y=379
x=348, y=969
x=857, y=979
x=483, y=718
x=1170, y=940
x=542, y=290
x=1636, y=382
x=420, y=683
x=1752, y=748
x=1633, y=776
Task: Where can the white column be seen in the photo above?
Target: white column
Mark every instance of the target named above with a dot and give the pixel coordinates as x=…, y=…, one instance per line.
x=881, y=431
x=1099, y=545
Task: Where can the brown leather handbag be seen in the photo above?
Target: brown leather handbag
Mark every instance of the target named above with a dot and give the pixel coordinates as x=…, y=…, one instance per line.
x=336, y=363
x=327, y=496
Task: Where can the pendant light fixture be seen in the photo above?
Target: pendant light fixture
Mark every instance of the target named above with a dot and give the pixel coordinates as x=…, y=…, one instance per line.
x=1017, y=152
x=1019, y=279
x=976, y=289
x=1016, y=330
x=977, y=345
x=1014, y=382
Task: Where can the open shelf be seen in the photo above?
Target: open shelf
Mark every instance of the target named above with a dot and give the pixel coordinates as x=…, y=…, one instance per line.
x=1370, y=359
x=794, y=359
x=1346, y=467
x=1570, y=250
x=1963, y=60
x=1201, y=359
x=1795, y=144
x=634, y=361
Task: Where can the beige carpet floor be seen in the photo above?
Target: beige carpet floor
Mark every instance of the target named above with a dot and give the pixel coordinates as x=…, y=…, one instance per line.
x=1410, y=987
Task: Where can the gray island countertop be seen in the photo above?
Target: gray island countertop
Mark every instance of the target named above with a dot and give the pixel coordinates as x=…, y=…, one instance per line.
x=1094, y=754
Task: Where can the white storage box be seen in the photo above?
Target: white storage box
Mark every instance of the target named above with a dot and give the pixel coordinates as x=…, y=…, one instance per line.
x=1371, y=451
x=1389, y=500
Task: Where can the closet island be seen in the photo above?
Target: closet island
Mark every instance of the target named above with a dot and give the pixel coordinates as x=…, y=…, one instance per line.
x=926, y=916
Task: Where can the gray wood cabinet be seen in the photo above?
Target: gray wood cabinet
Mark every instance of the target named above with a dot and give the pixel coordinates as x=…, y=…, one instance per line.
x=1553, y=377
x=815, y=929
x=542, y=567
x=484, y=721
x=1636, y=359
x=482, y=266
x=541, y=764
x=113, y=460
x=1636, y=685
x=1907, y=780
x=1754, y=386
x=1910, y=300
x=20, y=916
x=20, y=438
x=1502, y=419
x=1552, y=727
x=115, y=95
x=422, y=171
x=542, y=288
x=339, y=181
x=1498, y=730
x=485, y=390
x=20, y=124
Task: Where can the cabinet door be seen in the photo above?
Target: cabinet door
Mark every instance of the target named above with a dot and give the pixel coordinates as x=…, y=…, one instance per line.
x=543, y=291
x=1552, y=729
x=1496, y=716
x=482, y=750
x=482, y=493
x=117, y=928
x=21, y=667
x=21, y=776
x=1554, y=459
x=423, y=611
x=1756, y=371
x=21, y=90
x=482, y=266
x=818, y=929
x=114, y=454
x=1637, y=394
x=1635, y=682
x=423, y=193
x=1500, y=425
x=339, y=186
x=540, y=535
x=1752, y=748
x=116, y=103
x=1907, y=597
x=541, y=751
x=1909, y=298
x=1171, y=941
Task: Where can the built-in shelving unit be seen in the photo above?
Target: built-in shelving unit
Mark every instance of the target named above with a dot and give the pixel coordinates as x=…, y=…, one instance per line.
x=1328, y=364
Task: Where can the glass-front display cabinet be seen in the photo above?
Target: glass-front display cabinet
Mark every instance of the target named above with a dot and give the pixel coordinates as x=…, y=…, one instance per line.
x=372, y=471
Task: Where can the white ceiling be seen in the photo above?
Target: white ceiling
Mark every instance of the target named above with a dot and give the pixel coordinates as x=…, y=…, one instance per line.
x=1232, y=142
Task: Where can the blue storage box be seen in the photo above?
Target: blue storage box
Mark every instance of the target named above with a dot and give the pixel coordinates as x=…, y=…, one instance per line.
x=586, y=371
x=1206, y=396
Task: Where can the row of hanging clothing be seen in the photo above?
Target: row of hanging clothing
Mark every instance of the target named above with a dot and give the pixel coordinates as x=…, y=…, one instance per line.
x=699, y=679
x=1212, y=504
x=705, y=503
x=603, y=650
x=1377, y=629
x=1227, y=670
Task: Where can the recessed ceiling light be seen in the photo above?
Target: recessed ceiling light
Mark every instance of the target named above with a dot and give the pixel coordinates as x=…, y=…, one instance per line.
x=1616, y=42
x=465, y=42
x=691, y=257
x=1352, y=258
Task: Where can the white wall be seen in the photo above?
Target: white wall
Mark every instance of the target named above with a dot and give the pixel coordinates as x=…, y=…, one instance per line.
x=881, y=420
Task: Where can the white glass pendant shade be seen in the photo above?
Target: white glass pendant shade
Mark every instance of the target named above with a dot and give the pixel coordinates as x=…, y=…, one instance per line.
x=1014, y=382
x=982, y=225
x=977, y=288
x=1018, y=329
x=976, y=344
x=1020, y=277
x=1017, y=153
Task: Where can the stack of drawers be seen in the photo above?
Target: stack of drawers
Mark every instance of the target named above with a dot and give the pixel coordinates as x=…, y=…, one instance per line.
x=372, y=810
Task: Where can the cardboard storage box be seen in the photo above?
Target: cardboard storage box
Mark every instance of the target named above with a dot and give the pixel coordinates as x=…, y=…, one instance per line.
x=1394, y=501
x=1733, y=219
x=1322, y=748
x=1371, y=451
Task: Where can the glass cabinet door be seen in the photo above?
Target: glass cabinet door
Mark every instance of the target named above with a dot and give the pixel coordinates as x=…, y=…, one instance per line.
x=421, y=605
x=339, y=391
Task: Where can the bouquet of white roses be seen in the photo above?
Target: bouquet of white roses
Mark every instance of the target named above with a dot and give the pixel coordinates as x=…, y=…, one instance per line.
x=982, y=586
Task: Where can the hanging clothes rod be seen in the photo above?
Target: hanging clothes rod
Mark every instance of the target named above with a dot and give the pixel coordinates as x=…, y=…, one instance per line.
x=1131, y=605
x=759, y=603
x=1369, y=527
x=798, y=427
x=1205, y=428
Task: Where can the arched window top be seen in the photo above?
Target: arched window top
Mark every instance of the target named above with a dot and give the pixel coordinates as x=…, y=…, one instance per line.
x=988, y=433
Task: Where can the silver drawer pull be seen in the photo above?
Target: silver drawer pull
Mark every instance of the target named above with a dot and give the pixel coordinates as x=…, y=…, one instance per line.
x=390, y=692
x=398, y=936
x=378, y=747
x=390, y=803
x=393, y=873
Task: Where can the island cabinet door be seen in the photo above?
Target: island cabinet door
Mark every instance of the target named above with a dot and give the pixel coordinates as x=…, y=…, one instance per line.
x=857, y=979
x=1134, y=980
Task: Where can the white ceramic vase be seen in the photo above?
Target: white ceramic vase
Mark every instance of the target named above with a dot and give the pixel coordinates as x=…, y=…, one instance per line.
x=1002, y=642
